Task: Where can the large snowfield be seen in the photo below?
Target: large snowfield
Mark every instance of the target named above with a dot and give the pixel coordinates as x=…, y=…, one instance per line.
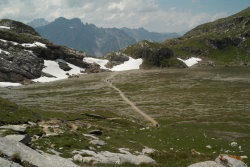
x=52, y=68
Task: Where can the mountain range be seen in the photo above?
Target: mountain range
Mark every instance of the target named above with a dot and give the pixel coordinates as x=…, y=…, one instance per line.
x=92, y=39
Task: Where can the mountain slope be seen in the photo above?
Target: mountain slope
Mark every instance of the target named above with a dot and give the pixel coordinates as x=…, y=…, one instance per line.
x=225, y=41
x=86, y=37
x=222, y=42
x=141, y=34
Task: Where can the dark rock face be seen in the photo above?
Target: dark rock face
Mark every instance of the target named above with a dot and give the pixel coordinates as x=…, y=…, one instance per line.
x=94, y=68
x=23, y=65
x=64, y=66
x=223, y=43
x=115, y=58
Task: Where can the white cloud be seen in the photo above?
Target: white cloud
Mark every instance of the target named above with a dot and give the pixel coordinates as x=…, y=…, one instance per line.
x=107, y=13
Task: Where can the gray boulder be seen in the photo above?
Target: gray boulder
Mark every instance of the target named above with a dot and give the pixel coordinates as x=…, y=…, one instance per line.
x=10, y=147
x=18, y=128
x=19, y=65
x=222, y=161
x=106, y=157
x=206, y=164
x=25, y=139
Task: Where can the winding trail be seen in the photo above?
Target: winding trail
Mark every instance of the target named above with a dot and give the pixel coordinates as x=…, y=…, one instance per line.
x=146, y=116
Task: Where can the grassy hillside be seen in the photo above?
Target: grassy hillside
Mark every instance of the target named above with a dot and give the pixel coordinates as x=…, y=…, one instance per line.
x=225, y=41
x=222, y=42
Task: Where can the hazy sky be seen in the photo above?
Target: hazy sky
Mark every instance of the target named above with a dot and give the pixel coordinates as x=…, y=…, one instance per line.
x=154, y=15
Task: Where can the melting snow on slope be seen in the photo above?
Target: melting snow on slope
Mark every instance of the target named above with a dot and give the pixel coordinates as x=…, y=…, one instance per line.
x=5, y=41
x=131, y=64
x=4, y=27
x=101, y=62
x=4, y=52
x=53, y=68
x=35, y=44
x=28, y=45
x=191, y=61
x=7, y=84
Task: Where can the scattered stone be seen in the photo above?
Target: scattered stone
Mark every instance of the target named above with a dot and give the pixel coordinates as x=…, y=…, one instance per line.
x=244, y=157
x=106, y=157
x=96, y=132
x=147, y=150
x=93, y=137
x=10, y=147
x=230, y=161
x=35, y=137
x=222, y=161
x=98, y=142
x=96, y=116
x=32, y=123
x=234, y=144
x=209, y=147
x=18, y=128
x=25, y=139
x=4, y=163
x=195, y=152
x=206, y=164
x=74, y=76
x=27, y=82
x=51, y=134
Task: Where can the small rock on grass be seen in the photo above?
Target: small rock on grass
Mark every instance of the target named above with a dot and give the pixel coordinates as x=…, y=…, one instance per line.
x=18, y=128
x=98, y=142
x=96, y=132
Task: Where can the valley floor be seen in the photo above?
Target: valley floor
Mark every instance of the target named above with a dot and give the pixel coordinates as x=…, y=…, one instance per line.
x=206, y=109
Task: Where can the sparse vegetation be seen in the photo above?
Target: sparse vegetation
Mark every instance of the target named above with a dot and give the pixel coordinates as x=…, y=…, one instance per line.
x=195, y=108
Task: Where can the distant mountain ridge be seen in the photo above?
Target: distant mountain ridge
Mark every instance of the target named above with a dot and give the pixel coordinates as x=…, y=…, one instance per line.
x=38, y=22
x=92, y=39
x=142, y=34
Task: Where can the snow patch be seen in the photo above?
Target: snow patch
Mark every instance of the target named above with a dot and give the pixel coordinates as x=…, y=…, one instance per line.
x=191, y=61
x=52, y=68
x=35, y=44
x=4, y=27
x=101, y=62
x=8, y=84
x=2, y=51
x=5, y=41
x=131, y=64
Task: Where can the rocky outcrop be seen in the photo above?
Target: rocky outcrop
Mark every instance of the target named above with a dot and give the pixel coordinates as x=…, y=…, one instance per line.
x=23, y=51
x=17, y=66
x=10, y=148
x=106, y=157
x=222, y=161
x=18, y=128
x=25, y=139
x=153, y=55
x=115, y=58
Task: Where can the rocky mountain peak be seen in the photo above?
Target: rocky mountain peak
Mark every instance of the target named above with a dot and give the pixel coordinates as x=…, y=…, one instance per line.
x=18, y=27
